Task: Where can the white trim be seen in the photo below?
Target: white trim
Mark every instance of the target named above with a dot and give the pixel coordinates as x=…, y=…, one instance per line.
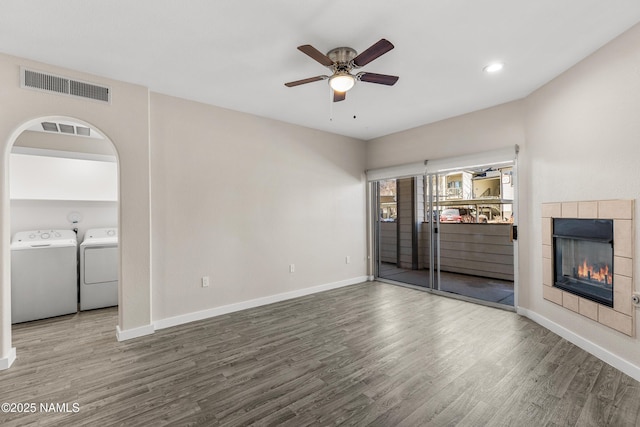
x=134, y=332
x=6, y=362
x=398, y=171
x=225, y=309
x=588, y=346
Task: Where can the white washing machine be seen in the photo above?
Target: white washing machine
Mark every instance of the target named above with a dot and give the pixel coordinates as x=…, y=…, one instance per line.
x=99, y=268
x=44, y=274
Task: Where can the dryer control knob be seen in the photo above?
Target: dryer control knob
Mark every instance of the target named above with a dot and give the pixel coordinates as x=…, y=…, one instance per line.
x=111, y=232
x=45, y=235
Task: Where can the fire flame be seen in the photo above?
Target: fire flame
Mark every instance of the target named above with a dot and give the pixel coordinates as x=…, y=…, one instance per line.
x=602, y=274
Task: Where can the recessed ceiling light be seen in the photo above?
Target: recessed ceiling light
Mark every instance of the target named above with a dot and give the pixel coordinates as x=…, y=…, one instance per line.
x=493, y=67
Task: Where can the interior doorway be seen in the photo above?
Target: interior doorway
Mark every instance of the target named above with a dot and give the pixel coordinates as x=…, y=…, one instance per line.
x=63, y=182
x=450, y=232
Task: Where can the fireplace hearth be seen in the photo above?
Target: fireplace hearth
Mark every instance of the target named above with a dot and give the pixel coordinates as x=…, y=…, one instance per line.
x=583, y=258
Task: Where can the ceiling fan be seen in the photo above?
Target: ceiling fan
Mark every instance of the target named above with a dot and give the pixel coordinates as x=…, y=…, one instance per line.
x=341, y=61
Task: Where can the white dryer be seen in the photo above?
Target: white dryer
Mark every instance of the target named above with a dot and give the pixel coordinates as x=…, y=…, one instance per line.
x=99, y=268
x=44, y=274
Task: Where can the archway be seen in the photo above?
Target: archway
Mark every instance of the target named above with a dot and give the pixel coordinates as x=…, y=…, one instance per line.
x=41, y=148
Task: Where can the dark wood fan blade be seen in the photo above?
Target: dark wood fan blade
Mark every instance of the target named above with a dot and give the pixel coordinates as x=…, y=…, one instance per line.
x=378, y=49
x=339, y=96
x=382, y=79
x=303, y=81
x=316, y=54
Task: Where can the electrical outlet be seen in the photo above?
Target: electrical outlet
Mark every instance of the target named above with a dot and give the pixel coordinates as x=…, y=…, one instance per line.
x=292, y=268
x=205, y=281
x=347, y=259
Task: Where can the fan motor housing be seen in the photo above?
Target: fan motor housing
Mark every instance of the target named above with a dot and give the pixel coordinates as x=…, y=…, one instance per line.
x=342, y=55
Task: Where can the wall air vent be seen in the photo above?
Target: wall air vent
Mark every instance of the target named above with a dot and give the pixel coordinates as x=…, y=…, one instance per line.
x=87, y=90
x=57, y=84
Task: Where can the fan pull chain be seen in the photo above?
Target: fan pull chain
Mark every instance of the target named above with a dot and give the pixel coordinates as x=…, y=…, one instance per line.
x=331, y=104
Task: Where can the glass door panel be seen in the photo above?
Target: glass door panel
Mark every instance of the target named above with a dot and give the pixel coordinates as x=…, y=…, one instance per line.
x=400, y=229
x=473, y=245
x=386, y=228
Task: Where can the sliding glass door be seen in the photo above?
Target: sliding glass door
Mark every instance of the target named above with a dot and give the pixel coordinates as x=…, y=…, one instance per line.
x=449, y=231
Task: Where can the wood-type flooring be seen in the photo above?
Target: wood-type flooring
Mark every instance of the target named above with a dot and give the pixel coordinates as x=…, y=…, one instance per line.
x=368, y=354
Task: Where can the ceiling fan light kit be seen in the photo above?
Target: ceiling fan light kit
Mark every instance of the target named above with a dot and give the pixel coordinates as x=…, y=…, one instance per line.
x=341, y=61
x=342, y=82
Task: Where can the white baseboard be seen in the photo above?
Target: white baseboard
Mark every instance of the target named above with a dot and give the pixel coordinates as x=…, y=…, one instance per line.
x=225, y=309
x=5, y=363
x=588, y=346
x=134, y=332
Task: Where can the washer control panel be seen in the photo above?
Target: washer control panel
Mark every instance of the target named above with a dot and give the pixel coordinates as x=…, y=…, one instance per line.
x=44, y=235
x=42, y=238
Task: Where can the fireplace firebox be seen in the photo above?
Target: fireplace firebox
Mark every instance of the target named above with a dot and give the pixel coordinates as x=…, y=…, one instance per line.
x=583, y=258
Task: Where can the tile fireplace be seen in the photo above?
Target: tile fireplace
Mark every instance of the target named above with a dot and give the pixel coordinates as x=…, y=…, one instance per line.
x=587, y=260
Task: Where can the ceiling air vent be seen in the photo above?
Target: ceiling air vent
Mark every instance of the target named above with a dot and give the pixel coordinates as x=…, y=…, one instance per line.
x=80, y=130
x=68, y=128
x=50, y=126
x=51, y=83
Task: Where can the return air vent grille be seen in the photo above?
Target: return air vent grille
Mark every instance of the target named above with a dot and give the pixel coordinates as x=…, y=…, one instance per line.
x=65, y=86
x=47, y=82
x=86, y=90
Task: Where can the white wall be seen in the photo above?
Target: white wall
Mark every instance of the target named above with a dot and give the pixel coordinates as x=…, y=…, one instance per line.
x=52, y=214
x=239, y=198
x=44, y=190
x=54, y=178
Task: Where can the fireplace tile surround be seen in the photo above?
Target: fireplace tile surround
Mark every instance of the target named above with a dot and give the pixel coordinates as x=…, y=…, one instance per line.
x=622, y=316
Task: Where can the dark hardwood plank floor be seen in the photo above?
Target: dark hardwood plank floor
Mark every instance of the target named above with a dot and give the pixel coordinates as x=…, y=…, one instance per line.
x=368, y=354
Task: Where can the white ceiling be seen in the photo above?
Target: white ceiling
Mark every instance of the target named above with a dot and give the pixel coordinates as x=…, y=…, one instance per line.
x=238, y=54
